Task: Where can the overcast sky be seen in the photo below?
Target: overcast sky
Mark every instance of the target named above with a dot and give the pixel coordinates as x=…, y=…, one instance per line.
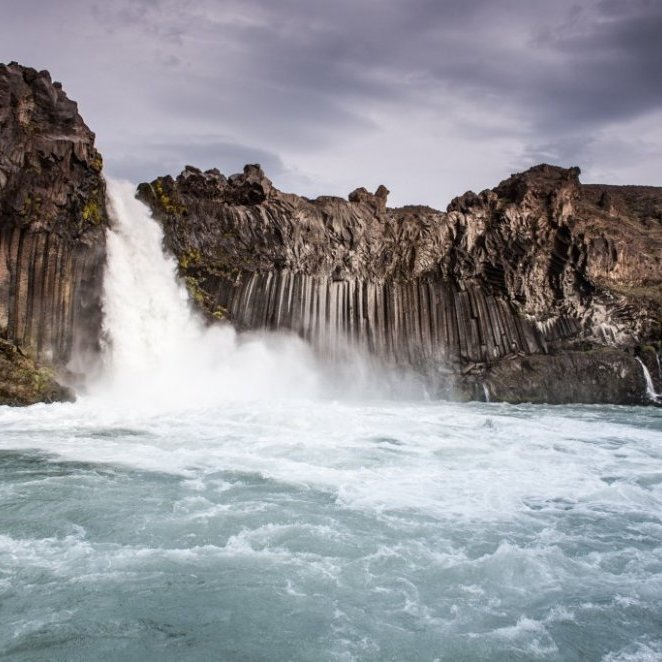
x=429, y=97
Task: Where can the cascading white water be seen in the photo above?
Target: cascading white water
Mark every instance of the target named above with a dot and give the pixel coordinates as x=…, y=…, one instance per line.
x=159, y=353
x=650, y=387
x=156, y=348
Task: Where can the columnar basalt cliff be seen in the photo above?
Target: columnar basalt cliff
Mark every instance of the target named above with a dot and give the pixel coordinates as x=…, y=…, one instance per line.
x=541, y=265
x=52, y=222
x=542, y=289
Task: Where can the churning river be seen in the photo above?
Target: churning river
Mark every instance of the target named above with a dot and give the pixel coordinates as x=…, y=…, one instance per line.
x=217, y=497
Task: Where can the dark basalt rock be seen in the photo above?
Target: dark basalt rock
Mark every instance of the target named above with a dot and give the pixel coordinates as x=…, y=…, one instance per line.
x=52, y=220
x=605, y=375
x=540, y=265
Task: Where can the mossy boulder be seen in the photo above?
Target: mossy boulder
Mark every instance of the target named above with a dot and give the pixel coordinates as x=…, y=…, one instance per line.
x=22, y=382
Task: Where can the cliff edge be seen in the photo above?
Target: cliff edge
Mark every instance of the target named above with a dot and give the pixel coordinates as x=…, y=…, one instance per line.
x=52, y=225
x=541, y=289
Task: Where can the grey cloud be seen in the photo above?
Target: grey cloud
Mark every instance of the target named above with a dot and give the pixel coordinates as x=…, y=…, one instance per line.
x=566, y=151
x=614, y=65
x=154, y=159
x=305, y=77
x=311, y=65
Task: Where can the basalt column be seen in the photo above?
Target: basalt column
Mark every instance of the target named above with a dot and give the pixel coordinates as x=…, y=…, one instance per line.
x=52, y=220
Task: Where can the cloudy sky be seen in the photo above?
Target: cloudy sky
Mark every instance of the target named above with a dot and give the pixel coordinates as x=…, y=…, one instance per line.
x=429, y=97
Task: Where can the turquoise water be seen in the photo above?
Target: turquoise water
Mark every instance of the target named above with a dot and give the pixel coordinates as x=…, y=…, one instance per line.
x=313, y=530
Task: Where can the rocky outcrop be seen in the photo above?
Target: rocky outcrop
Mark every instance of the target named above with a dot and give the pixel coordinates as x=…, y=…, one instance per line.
x=23, y=382
x=540, y=265
x=52, y=220
x=605, y=375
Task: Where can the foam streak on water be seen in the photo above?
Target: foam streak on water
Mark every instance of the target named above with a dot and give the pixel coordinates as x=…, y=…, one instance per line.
x=209, y=502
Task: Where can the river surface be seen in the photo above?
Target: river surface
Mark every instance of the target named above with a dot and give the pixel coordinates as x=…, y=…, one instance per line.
x=217, y=496
x=329, y=530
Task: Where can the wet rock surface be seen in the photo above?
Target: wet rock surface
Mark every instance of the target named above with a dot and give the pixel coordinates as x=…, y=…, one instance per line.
x=605, y=375
x=539, y=265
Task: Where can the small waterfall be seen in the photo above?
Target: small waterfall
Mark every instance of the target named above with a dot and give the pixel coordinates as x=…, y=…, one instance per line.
x=486, y=391
x=659, y=366
x=650, y=387
x=158, y=351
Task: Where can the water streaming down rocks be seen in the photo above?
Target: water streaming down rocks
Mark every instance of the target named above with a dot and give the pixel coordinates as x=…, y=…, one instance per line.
x=158, y=353
x=650, y=386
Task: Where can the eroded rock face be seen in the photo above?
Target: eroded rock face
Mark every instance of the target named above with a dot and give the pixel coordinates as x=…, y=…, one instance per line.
x=540, y=263
x=52, y=219
x=511, y=288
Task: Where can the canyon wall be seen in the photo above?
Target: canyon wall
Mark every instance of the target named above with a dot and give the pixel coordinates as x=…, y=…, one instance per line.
x=52, y=221
x=540, y=265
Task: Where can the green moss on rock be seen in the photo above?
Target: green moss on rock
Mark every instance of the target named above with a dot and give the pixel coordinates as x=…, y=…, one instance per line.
x=23, y=382
x=92, y=212
x=97, y=163
x=190, y=259
x=166, y=202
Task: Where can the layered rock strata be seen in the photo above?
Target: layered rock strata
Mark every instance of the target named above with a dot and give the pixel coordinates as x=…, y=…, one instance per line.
x=52, y=220
x=539, y=265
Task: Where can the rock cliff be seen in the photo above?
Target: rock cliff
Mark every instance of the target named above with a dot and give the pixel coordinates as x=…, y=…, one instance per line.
x=541, y=289
x=52, y=221
x=539, y=266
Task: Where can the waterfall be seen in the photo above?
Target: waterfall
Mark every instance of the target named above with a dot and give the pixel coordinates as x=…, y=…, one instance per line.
x=159, y=353
x=650, y=388
x=157, y=350
x=486, y=391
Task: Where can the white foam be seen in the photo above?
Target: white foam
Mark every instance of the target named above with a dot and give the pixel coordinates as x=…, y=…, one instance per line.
x=377, y=457
x=158, y=353
x=645, y=651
